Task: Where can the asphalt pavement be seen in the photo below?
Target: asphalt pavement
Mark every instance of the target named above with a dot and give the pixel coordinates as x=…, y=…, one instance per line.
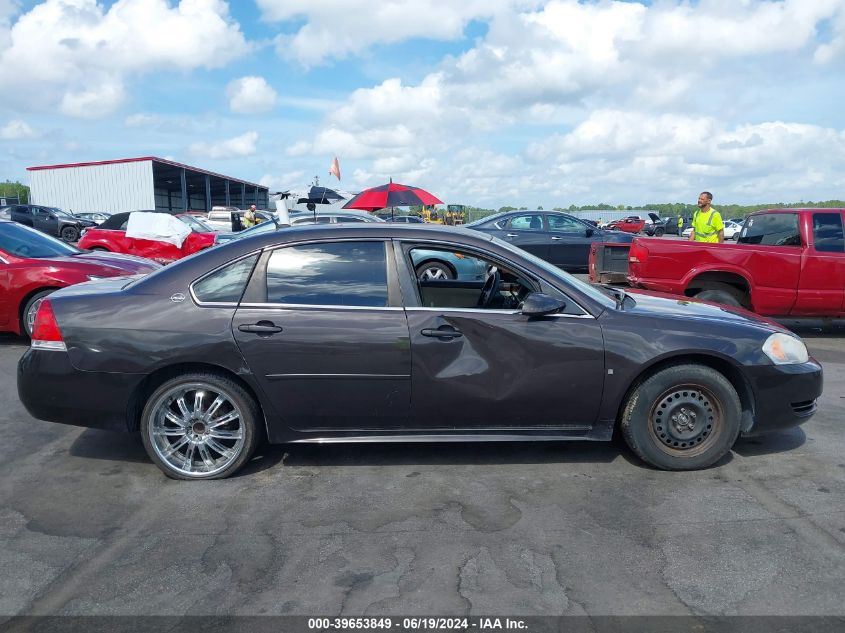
x=89, y=526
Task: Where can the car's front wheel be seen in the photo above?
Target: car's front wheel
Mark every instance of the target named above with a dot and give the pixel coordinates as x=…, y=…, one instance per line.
x=434, y=271
x=31, y=308
x=200, y=426
x=684, y=417
x=70, y=234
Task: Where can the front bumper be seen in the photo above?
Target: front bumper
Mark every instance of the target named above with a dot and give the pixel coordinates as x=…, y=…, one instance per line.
x=785, y=395
x=52, y=389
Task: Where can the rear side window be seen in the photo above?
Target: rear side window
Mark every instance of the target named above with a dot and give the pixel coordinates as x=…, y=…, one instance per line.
x=527, y=222
x=772, y=229
x=563, y=223
x=227, y=284
x=827, y=233
x=330, y=274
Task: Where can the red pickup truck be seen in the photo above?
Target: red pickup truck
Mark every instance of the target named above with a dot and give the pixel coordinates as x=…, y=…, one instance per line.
x=786, y=262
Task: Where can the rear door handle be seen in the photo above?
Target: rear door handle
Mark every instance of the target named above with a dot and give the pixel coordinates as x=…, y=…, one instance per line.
x=556, y=239
x=262, y=327
x=445, y=332
x=511, y=234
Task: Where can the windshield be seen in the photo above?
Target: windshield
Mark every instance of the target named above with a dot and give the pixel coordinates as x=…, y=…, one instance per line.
x=61, y=212
x=197, y=226
x=22, y=241
x=264, y=227
x=485, y=220
x=588, y=289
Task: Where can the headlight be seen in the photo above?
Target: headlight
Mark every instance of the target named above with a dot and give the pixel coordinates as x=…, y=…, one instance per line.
x=784, y=349
x=94, y=277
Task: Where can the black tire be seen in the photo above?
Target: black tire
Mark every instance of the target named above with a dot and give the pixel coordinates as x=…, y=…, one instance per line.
x=721, y=293
x=434, y=270
x=98, y=249
x=70, y=234
x=27, y=311
x=684, y=417
x=152, y=419
x=658, y=232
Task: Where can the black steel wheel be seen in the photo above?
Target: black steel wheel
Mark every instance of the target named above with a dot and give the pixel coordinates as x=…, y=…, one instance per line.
x=659, y=231
x=70, y=234
x=684, y=417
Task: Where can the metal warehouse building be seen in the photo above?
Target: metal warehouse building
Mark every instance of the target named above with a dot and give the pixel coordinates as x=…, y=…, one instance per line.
x=132, y=184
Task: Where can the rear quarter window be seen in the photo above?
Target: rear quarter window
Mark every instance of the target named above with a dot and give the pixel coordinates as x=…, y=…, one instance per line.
x=827, y=233
x=772, y=229
x=227, y=284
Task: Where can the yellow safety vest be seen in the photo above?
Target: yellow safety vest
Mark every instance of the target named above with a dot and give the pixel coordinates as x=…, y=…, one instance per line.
x=703, y=227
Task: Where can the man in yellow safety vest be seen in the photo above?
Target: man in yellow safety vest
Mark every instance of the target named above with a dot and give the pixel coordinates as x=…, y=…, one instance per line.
x=707, y=225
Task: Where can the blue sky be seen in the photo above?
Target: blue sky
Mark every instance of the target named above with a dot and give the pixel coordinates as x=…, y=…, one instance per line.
x=491, y=103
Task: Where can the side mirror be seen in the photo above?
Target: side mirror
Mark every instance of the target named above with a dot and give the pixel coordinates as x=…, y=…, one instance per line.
x=538, y=304
x=590, y=232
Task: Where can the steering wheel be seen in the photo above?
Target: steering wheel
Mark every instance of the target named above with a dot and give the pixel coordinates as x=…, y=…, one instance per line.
x=490, y=288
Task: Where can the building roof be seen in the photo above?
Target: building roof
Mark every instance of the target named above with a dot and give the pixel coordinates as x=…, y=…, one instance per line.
x=143, y=159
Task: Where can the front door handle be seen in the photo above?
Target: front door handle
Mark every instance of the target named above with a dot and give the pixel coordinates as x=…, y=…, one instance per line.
x=262, y=327
x=511, y=234
x=445, y=332
x=556, y=239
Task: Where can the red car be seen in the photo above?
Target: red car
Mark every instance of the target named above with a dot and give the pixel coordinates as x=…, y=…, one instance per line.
x=633, y=224
x=111, y=236
x=32, y=265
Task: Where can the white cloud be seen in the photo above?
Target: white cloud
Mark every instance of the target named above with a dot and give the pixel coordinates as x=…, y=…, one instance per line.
x=93, y=103
x=251, y=95
x=14, y=130
x=141, y=119
x=61, y=47
x=243, y=145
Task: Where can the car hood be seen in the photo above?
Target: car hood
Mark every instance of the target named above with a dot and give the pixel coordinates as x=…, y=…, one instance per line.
x=122, y=264
x=649, y=303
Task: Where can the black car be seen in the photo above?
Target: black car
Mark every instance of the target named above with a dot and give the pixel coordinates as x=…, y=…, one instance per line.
x=50, y=220
x=664, y=226
x=326, y=334
x=559, y=238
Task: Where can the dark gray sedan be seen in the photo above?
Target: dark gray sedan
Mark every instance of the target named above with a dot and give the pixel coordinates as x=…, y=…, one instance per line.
x=326, y=334
x=559, y=238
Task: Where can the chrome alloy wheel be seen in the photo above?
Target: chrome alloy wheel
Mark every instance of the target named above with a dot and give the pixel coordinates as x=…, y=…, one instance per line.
x=686, y=420
x=197, y=430
x=433, y=273
x=30, y=315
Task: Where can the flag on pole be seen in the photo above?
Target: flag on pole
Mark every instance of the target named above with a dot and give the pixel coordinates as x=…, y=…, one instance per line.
x=334, y=169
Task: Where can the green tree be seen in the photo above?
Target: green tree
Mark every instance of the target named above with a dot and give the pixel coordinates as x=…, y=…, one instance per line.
x=9, y=189
x=506, y=209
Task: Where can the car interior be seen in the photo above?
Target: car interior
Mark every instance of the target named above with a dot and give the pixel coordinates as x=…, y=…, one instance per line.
x=501, y=289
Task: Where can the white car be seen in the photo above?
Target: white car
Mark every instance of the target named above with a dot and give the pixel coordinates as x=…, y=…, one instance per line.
x=732, y=230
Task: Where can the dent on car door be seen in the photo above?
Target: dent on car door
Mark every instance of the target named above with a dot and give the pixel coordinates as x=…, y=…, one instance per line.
x=323, y=330
x=478, y=363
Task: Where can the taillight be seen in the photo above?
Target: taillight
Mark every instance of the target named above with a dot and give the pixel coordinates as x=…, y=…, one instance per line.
x=637, y=254
x=45, y=330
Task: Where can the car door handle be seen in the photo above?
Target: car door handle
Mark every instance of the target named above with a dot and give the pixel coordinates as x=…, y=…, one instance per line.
x=262, y=327
x=511, y=234
x=444, y=331
x=556, y=239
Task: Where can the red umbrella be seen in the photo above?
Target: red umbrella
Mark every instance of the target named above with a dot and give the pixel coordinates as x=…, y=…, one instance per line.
x=391, y=195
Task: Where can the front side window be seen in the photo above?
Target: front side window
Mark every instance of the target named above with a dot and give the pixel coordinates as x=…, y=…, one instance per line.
x=329, y=274
x=564, y=223
x=532, y=222
x=227, y=284
x=827, y=233
x=771, y=229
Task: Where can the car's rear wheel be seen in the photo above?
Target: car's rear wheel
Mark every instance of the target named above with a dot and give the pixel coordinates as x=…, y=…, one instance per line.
x=434, y=271
x=200, y=426
x=70, y=234
x=31, y=308
x=659, y=231
x=721, y=293
x=684, y=417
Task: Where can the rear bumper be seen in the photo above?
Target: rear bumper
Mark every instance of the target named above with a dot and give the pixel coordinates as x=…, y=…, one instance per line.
x=52, y=389
x=785, y=395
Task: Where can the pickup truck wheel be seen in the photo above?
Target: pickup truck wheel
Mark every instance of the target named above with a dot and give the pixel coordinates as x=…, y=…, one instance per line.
x=724, y=294
x=70, y=234
x=684, y=417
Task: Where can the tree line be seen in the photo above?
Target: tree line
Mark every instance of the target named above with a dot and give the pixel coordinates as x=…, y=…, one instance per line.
x=10, y=189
